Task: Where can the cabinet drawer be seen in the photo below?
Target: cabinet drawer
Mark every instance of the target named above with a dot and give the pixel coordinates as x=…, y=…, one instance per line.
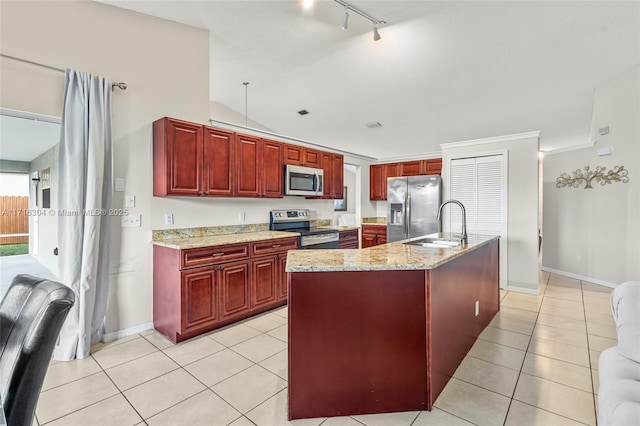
x=348, y=236
x=212, y=255
x=278, y=245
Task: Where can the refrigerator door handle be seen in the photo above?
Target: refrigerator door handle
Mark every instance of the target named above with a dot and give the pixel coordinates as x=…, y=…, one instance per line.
x=408, y=222
x=404, y=217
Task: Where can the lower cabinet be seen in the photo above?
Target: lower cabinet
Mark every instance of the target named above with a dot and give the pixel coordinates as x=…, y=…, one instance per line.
x=373, y=235
x=201, y=289
x=348, y=239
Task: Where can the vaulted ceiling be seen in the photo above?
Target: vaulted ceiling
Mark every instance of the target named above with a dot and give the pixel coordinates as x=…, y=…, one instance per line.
x=442, y=72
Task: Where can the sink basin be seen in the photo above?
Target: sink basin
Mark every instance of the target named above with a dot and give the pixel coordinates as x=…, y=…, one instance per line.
x=434, y=242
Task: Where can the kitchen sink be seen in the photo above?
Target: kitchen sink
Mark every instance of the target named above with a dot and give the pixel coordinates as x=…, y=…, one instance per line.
x=434, y=242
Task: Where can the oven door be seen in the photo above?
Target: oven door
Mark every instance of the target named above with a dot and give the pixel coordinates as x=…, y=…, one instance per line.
x=319, y=241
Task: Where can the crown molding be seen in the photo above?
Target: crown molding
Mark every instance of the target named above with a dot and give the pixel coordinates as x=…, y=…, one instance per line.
x=282, y=138
x=401, y=158
x=569, y=148
x=495, y=139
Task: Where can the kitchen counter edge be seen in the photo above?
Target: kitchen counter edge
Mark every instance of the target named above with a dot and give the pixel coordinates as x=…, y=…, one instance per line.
x=386, y=257
x=222, y=239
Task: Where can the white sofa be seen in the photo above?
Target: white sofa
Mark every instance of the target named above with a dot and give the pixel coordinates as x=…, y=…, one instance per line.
x=619, y=366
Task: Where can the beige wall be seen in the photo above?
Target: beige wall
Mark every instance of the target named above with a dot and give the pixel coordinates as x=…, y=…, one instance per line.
x=594, y=234
x=522, y=152
x=164, y=79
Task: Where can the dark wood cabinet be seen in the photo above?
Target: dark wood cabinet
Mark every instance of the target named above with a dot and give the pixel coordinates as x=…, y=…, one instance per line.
x=199, y=298
x=270, y=169
x=177, y=157
x=373, y=235
x=269, y=278
x=218, y=163
x=259, y=167
x=302, y=156
x=234, y=289
x=333, y=167
x=348, y=239
x=191, y=159
x=201, y=289
x=378, y=174
x=377, y=182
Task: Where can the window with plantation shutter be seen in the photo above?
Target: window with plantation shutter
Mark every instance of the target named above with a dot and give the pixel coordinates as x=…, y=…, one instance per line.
x=479, y=183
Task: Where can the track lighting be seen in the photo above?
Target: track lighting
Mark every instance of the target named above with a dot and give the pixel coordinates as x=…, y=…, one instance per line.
x=376, y=34
x=348, y=7
x=345, y=21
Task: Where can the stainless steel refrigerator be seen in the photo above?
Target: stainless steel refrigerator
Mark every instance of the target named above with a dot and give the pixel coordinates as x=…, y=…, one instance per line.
x=412, y=206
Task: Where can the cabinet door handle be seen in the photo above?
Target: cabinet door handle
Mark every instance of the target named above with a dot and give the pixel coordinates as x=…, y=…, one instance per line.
x=275, y=245
x=218, y=254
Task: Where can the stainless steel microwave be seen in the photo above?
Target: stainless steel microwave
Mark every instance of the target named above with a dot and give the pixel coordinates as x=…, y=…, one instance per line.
x=300, y=180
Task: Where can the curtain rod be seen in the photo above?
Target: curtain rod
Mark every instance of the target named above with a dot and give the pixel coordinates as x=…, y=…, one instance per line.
x=120, y=85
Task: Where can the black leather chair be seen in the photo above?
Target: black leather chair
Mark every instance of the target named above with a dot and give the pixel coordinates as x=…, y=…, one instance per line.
x=31, y=315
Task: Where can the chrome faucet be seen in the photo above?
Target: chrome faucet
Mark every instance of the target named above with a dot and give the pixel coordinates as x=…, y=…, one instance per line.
x=463, y=237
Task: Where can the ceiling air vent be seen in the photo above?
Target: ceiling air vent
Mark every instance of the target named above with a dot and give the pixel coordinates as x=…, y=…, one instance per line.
x=303, y=112
x=373, y=125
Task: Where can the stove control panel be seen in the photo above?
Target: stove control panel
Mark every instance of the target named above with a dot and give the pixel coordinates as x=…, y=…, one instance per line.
x=290, y=215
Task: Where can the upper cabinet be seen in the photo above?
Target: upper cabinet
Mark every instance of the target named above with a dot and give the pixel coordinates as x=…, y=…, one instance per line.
x=378, y=174
x=219, y=153
x=259, y=167
x=191, y=159
x=177, y=158
x=302, y=156
x=333, y=167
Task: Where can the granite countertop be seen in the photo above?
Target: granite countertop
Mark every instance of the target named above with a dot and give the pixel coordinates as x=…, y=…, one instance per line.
x=385, y=257
x=374, y=224
x=222, y=239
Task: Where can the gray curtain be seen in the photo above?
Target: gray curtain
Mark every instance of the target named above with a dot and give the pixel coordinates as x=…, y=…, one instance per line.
x=84, y=200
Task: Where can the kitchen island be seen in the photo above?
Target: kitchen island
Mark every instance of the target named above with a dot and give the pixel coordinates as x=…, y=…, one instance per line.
x=383, y=329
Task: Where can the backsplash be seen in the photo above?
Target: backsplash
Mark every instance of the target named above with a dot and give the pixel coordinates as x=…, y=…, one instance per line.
x=181, y=233
x=378, y=220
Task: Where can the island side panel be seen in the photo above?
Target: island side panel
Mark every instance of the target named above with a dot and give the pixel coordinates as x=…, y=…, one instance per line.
x=452, y=290
x=357, y=343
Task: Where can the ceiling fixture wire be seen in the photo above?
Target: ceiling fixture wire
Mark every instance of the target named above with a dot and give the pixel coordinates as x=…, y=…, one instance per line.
x=349, y=7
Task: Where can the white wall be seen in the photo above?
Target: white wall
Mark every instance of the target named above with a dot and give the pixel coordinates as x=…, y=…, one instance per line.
x=522, y=151
x=14, y=184
x=594, y=234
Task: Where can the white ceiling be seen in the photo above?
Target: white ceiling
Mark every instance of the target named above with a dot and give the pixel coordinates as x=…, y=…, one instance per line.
x=443, y=71
x=25, y=138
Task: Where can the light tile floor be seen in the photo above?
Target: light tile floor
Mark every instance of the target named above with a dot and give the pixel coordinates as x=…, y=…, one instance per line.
x=536, y=364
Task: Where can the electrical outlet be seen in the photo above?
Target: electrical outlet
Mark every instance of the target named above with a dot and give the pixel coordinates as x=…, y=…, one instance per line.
x=477, y=307
x=242, y=217
x=578, y=258
x=168, y=218
x=130, y=221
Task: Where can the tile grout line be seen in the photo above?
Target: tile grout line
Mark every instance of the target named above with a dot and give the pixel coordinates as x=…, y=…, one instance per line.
x=513, y=394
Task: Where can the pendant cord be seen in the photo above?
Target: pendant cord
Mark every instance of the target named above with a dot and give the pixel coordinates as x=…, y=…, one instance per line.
x=246, y=85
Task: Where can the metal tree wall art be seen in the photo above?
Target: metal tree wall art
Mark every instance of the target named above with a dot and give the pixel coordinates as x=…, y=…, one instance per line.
x=616, y=174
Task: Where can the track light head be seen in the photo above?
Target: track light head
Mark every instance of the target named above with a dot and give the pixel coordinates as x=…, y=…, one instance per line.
x=376, y=34
x=345, y=21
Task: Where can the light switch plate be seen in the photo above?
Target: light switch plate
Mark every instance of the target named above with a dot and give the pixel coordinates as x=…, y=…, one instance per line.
x=130, y=201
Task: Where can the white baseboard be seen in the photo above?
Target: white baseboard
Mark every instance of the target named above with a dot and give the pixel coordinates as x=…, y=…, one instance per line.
x=110, y=337
x=535, y=292
x=580, y=277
